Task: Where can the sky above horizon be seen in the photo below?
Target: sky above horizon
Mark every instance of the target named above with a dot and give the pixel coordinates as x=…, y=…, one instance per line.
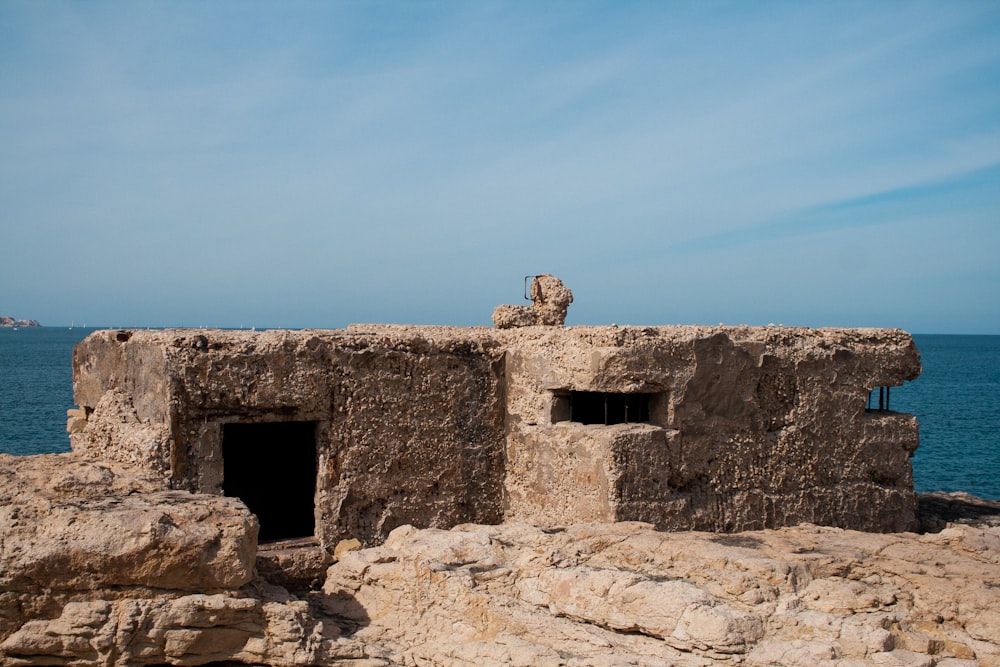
x=309, y=164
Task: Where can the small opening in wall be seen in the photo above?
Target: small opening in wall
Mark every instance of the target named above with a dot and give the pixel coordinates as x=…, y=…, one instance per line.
x=878, y=402
x=271, y=467
x=601, y=407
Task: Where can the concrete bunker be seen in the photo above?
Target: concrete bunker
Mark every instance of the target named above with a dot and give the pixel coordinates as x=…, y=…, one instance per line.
x=271, y=466
x=341, y=434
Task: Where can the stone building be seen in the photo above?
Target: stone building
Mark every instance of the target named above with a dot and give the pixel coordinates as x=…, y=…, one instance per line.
x=350, y=433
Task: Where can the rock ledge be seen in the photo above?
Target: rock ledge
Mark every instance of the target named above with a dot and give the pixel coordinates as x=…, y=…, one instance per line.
x=100, y=567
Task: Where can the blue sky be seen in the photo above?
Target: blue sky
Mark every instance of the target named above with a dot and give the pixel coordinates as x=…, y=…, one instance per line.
x=311, y=164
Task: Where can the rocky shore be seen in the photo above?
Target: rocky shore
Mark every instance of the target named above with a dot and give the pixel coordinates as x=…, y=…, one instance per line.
x=100, y=566
x=6, y=321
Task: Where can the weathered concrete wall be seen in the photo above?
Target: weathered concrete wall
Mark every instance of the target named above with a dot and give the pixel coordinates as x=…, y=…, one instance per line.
x=123, y=387
x=417, y=432
x=409, y=429
x=436, y=426
x=749, y=428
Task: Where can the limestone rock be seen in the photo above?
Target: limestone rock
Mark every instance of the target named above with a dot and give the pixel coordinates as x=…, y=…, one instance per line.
x=590, y=594
x=344, y=546
x=296, y=566
x=190, y=629
x=67, y=524
x=550, y=300
x=623, y=594
x=76, y=420
x=101, y=566
x=937, y=510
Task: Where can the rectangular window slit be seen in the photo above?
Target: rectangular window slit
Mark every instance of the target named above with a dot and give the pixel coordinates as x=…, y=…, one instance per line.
x=601, y=407
x=883, y=400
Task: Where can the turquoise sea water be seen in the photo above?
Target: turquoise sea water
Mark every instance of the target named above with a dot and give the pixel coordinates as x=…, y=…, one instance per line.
x=36, y=388
x=956, y=398
x=957, y=401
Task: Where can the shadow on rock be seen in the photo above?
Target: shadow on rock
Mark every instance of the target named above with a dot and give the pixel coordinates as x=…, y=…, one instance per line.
x=345, y=611
x=936, y=510
x=743, y=541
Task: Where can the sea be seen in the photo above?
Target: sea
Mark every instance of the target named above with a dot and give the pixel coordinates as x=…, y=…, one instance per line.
x=956, y=399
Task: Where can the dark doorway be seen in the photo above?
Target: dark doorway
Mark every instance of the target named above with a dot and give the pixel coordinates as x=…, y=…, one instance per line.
x=272, y=468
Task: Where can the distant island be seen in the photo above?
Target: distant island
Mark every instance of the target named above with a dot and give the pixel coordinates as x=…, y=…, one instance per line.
x=11, y=322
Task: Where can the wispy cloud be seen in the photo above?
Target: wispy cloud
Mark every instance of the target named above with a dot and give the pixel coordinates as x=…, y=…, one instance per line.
x=953, y=194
